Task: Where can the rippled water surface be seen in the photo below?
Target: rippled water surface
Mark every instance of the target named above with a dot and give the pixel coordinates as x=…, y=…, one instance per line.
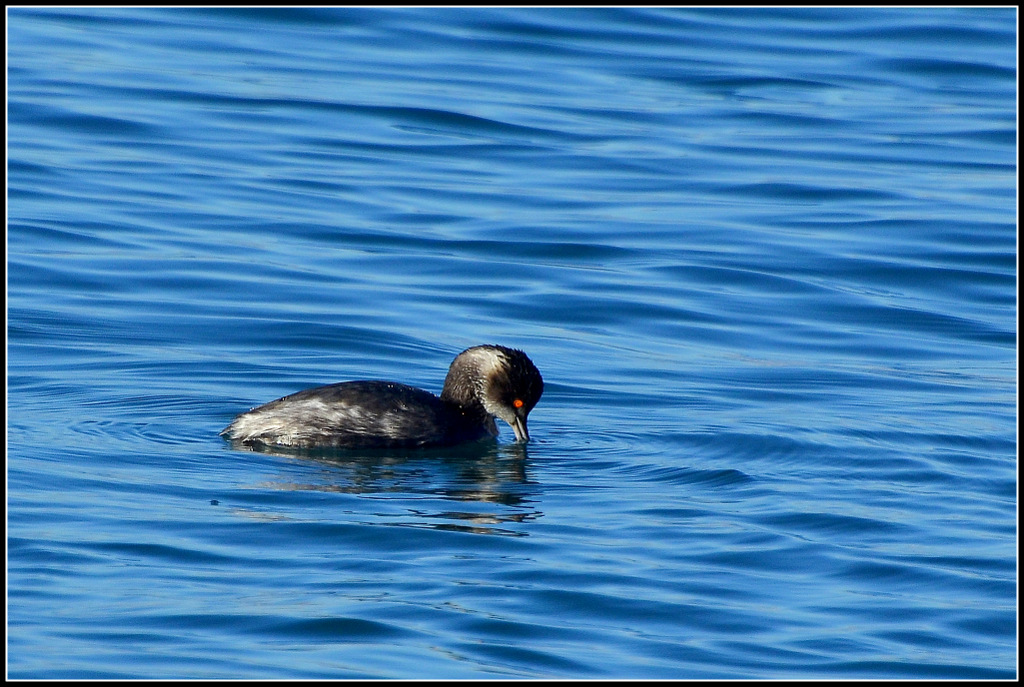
x=765, y=260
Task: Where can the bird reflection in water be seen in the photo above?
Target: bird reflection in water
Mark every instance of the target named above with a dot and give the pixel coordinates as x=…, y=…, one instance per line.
x=489, y=481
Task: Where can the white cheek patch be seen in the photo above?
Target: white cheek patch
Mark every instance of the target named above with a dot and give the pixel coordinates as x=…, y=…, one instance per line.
x=499, y=410
x=489, y=363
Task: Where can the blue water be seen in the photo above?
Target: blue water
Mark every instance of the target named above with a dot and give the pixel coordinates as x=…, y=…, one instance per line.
x=765, y=259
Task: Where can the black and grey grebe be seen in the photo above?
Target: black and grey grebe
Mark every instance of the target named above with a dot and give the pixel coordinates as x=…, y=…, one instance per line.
x=483, y=382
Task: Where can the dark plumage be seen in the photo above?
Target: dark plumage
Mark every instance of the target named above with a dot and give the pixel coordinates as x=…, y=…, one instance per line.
x=483, y=382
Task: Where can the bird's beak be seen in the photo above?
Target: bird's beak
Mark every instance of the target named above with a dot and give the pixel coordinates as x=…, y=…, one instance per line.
x=519, y=427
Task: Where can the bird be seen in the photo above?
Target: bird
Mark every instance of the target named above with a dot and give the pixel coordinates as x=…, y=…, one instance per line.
x=483, y=383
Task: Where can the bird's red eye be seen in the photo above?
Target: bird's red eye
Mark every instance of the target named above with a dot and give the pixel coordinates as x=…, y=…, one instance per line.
x=517, y=403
